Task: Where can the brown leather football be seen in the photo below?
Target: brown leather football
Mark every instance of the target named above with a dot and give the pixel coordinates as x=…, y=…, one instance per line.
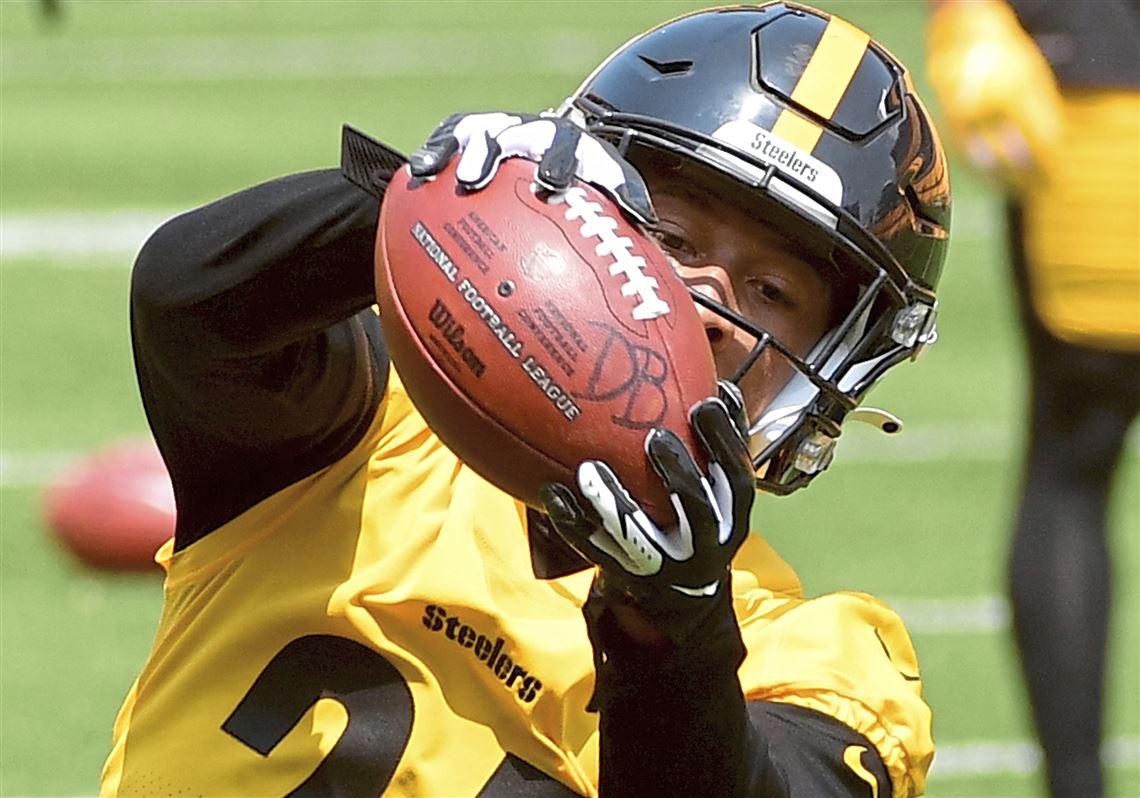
x=534, y=331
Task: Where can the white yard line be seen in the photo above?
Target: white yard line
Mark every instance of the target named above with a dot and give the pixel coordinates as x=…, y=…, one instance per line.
x=1021, y=757
x=110, y=239
x=79, y=239
x=985, y=442
x=953, y=616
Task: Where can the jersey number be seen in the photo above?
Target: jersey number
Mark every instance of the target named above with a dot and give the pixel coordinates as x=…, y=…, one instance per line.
x=372, y=692
x=380, y=713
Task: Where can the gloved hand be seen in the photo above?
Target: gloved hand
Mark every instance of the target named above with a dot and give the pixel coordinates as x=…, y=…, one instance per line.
x=997, y=92
x=563, y=150
x=676, y=576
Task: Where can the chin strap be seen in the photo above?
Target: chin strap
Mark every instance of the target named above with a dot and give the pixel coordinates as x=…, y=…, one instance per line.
x=798, y=393
x=789, y=405
x=817, y=450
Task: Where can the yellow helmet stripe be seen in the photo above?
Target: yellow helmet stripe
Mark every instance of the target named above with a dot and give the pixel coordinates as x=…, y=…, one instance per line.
x=823, y=83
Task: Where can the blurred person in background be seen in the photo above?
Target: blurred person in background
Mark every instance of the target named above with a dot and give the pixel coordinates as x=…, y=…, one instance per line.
x=1045, y=97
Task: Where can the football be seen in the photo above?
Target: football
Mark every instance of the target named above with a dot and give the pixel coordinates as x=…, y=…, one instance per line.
x=114, y=508
x=534, y=331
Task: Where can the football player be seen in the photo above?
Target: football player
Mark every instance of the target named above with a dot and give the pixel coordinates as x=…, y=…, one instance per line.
x=1046, y=97
x=350, y=610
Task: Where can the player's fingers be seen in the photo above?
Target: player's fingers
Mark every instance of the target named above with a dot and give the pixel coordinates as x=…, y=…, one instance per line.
x=980, y=151
x=719, y=433
x=675, y=465
x=1002, y=149
x=435, y=153
x=479, y=138
x=479, y=162
x=729, y=393
x=477, y=126
x=698, y=513
x=627, y=538
x=605, y=492
x=633, y=198
x=600, y=164
x=730, y=465
x=581, y=532
x=566, y=515
x=484, y=153
x=563, y=151
x=559, y=163
x=1015, y=151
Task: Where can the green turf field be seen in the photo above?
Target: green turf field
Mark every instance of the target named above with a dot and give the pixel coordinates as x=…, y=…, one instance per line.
x=124, y=112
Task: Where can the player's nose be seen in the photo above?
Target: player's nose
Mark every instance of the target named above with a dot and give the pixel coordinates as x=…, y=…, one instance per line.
x=712, y=281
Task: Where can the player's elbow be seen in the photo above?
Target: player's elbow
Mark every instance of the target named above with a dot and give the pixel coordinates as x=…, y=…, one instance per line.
x=162, y=278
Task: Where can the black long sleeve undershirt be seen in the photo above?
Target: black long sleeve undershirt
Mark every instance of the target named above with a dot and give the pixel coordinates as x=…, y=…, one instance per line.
x=673, y=718
x=674, y=721
x=260, y=361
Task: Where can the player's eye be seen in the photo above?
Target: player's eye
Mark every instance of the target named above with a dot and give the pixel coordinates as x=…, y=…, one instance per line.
x=674, y=243
x=770, y=292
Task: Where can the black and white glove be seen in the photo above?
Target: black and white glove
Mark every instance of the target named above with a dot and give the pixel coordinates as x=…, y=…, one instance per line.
x=562, y=149
x=674, y=576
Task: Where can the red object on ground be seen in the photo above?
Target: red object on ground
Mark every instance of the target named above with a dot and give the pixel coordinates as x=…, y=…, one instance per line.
x=114, y=508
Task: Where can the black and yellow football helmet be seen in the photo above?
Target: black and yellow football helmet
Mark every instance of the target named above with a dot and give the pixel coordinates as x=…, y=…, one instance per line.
x=819, y=128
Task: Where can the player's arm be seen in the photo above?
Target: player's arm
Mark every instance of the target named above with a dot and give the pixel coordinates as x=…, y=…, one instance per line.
x=258, y=357
x=673, y=721
x=673, y=717
x=996, y=91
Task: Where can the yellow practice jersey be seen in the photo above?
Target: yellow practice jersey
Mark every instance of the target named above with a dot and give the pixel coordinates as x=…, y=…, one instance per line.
x=377, y=624
x=1082, y=228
